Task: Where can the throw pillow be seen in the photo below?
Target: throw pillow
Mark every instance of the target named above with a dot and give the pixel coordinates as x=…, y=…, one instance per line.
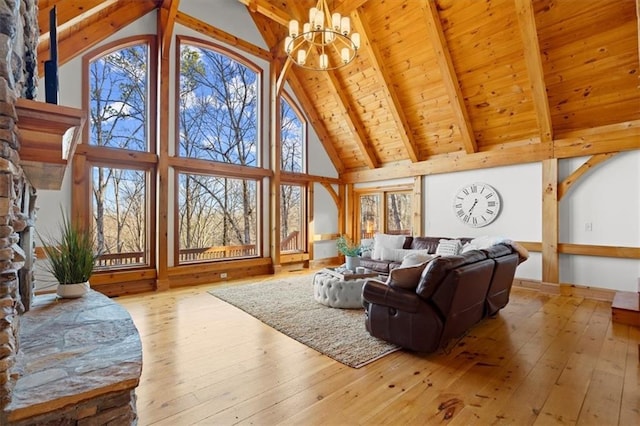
x=406, y=277
x=421, y=256
x=366, y=245
x=381, y=241
x=449, y=247
x=397, y=255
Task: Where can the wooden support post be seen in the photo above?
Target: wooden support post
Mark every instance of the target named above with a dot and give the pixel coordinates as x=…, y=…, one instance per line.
x=274, y=183
x=550, y=262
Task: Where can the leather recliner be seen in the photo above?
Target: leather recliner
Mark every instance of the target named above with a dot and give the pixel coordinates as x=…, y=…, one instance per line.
x=452, y=294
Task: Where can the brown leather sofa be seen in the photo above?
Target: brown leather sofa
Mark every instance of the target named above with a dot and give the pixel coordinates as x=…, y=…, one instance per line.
x=452, y=294
x=384, y=266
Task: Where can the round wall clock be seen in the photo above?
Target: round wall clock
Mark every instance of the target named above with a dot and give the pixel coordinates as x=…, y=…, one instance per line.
x=476, y=204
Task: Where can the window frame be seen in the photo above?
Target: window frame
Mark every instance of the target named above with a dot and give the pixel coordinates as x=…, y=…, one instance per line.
x=87, y=156
x=222, y=50
x=381, y=192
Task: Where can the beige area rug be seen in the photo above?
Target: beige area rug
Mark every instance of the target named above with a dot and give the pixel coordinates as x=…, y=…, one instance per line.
x=288, y=306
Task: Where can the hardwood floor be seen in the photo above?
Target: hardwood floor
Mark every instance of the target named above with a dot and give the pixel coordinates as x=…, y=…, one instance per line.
x=545, y=359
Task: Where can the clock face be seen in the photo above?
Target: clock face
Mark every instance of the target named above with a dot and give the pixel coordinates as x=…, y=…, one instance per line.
x=477, y=204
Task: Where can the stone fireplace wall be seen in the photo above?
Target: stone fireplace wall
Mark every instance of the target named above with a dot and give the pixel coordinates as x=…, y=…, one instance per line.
x=18, y=78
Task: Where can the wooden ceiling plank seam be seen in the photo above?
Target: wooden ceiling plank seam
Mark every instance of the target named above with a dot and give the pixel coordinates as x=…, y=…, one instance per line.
x=223, y=36
x=449, y=77
x=353, y=122
x=531, y=47
x=167, y=23
x=68, y=13
x=72, y=43
x=388, y=90
x=263, y=7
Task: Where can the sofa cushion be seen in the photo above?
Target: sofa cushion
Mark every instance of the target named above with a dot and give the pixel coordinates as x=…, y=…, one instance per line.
x=381, y=241
x=416, y=257
x=439, y=267
x=425, y=243
x=398, y=255
x=380, y=266
x=449, y=247
x=497, y=251
x=406, y=277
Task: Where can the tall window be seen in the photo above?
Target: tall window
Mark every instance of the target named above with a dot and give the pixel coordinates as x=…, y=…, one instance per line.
x=217, y=217
x=385, y=211
x=119, y=212
x=292, y=218
x=218, y=212
x=293, y=159
x=119, y=81
x=292, y=137
x=218, y=107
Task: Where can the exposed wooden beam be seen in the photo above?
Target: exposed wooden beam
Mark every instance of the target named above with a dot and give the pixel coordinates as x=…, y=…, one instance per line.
x=68, y=13
x=75, y=41
x=167, y=22
x=211, y=31
x=454, y=162
x=353, y=122
x=269, y=10
x=345, y=7
x=550, y=273
x=598, y=140
x=332, y=192
x=574, y=177
x=449, y=77
x=531, y=48
x=291, y=177
x=393, y=101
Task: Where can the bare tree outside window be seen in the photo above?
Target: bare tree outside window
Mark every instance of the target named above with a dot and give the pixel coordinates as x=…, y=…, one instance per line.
x=218, y=122
x=118, y=88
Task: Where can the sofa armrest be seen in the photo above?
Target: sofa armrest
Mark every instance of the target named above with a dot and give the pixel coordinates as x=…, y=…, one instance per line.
x=379, y=293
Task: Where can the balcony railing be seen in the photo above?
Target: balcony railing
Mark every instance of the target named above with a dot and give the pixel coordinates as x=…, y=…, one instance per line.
x=291, y=243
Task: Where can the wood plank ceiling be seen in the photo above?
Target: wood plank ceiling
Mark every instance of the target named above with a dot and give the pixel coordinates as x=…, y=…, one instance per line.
x=441, y=85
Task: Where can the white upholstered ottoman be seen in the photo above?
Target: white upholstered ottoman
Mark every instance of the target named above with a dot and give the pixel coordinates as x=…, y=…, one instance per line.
x=333, y=291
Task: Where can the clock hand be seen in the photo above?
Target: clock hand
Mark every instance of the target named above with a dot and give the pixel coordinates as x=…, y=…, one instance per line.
x=474, y=204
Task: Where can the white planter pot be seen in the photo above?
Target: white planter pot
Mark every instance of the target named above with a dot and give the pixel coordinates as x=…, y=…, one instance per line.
x=352, y=262
x=70, y=291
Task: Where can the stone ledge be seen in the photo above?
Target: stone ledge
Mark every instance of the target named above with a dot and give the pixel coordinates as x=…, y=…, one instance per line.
x=72, y=351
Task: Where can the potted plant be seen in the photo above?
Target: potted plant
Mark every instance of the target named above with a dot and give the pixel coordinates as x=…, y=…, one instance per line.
x=350, y=250
x=70, y=258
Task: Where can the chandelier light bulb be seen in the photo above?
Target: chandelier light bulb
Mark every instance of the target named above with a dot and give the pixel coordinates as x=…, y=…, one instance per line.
x=345, y=25
x=318, y=21
x=288, y=44
x=344, y=53
x=306, y=29
x=335, y=21
x=355, y=39
x=312, y=14
x=293, y=28
x=302, y=56
x=328, y=36
x=324, y=61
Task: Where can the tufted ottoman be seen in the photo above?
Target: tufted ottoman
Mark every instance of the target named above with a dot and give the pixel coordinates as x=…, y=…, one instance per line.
x=339, y=291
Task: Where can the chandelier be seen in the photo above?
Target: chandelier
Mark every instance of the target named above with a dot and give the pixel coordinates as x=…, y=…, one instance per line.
x=325, y=42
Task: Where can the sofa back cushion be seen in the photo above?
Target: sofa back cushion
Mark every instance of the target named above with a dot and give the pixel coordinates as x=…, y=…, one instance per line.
x=406, y=277
x=438, y=268
x=460, y=298
x=386, y=241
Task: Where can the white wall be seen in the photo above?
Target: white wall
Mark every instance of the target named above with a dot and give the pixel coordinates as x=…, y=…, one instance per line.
x=520, y=217
x=602, y=208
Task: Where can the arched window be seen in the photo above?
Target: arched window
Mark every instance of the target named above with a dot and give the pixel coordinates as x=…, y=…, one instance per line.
x=218, y=205
x=218, y=105
x=293, y=137
x=116, y=189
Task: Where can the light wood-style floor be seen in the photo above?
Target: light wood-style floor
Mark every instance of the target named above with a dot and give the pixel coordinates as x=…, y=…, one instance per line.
x=544, y=359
